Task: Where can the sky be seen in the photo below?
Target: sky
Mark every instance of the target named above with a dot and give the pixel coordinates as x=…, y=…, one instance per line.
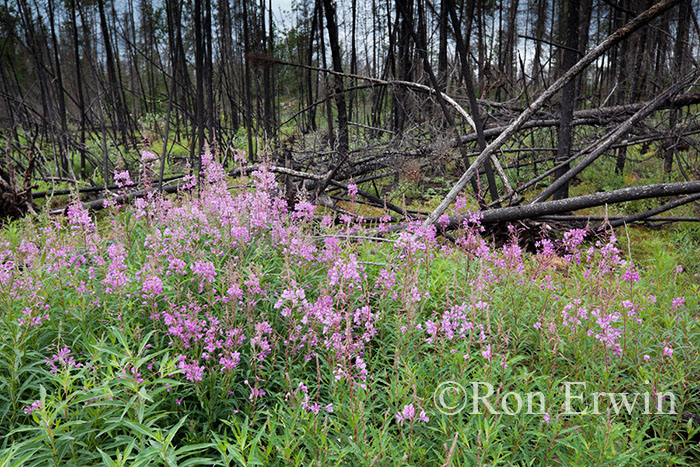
x=281, y=10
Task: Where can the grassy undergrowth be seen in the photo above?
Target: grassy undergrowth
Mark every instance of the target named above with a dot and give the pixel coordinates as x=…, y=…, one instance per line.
x=222, y=328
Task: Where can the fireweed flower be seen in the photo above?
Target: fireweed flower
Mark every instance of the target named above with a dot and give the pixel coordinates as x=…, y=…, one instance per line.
x=545, y=247
x=313, y=407
x=152, y=286
x=122, y=179
x=62, y=359
x=386, y=283
x=677, y=302
x=609, y=335
x=229, y=361
x=192, y=371
x=147, y=156
x=207, y=272
x=631, y=274
x=668, y=351
x=303, y=210
x=239, y=155
x=33, y=318
x=29, y=249
x=384, y=223
x=36, y=405
x=255, y=393
x=572, y=239
x=346, y=270
x=213, y=171
x=177, y=265
x=409, y=414
x=79, y=218
x=116, y=272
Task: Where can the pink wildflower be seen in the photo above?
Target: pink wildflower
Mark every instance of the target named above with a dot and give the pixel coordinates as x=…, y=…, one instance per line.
x=409, y=414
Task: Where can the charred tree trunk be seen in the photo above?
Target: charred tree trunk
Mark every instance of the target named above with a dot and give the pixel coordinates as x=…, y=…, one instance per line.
x=568, y=99
x=79, y=86
x=113, y=93
x=684, y=13
x=341, y=108
x=199, y=78
x=246, y=84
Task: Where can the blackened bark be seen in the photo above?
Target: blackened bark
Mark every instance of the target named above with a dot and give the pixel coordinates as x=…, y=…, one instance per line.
x=532, y=211
x=332, y=27
x=113, y=94
x=199, y=79
x=568, y=99
x=684, y=13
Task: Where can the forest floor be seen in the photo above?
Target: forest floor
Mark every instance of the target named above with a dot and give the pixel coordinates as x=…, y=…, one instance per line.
x=219, y=327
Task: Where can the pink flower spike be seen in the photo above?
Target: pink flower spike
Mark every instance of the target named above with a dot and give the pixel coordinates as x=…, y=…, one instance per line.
x=423, y=417
x=406, y=414
x=147, y=156
x=36, y=405
x=677, y=302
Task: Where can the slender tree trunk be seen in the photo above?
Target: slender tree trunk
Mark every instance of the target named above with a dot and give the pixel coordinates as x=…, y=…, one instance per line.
x=684, y=13
x=568, y=99
x=113, y=95
x=326, y=78
x=442, y=46
x=404, y=61
x=309, y=72
x=209, y=75
x=622, y=85
x=60, y=95
x=79, y=86
x=199, y=78
x=247, y=86
x=332, y=27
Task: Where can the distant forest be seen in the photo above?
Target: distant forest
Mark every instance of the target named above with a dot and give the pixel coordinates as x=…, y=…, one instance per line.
x=83, y=84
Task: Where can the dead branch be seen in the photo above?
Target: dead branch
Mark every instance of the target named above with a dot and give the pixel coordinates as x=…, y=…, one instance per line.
x=653, y=212
x=614, y=136
x=548, y=208
x=591, y=56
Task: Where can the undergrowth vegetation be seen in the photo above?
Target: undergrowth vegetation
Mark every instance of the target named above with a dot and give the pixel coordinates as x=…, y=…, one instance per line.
x=223, y=327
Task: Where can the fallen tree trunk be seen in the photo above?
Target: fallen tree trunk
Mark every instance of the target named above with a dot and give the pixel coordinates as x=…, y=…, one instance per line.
x=559, y=218
x=624, y=143
x=590, y=57
x=532, y=211
x=621, y=111
x=658, y=210
x=612, y=137
x=90, y=189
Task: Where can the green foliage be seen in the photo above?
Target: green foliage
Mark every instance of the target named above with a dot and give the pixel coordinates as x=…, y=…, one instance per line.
x=102, y=380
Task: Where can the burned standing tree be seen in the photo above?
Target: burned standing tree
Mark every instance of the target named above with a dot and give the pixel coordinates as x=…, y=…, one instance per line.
x=568, y=96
